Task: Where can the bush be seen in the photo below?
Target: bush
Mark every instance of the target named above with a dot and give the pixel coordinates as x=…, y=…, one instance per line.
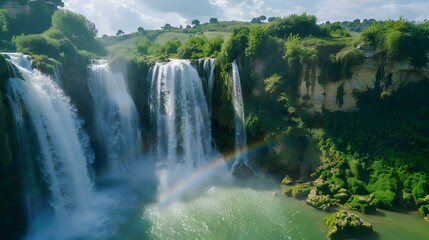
x=356, y=186
x=361, y=204
x=384, y=199
x=39, y=44
x=193, y=48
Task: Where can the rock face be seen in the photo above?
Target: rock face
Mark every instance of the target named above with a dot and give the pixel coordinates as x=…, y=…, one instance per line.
x=343, y=225
x=338, y=95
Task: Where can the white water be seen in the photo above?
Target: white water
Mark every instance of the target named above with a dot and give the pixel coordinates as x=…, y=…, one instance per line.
x=180, y=121
x=239, y=126
x=57, y=76
x=44, y=117
x=115, y=113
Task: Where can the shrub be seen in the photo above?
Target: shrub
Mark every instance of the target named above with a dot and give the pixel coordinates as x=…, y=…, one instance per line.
x=38, y=43
x=384, y=199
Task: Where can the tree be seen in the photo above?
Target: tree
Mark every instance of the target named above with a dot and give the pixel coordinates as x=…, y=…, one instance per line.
x=195, y=22
x=255, y=20
x=166, y=26
x=262, y=18
x=171, y=46
x=4, y=23
x=272, y=19
x=213, y=20
x=119, y=32
x=140, y=29
x=75, y=27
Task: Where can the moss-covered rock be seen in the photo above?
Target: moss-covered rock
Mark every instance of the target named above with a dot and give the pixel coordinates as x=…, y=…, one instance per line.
x=299, y=191
x=286, y=181
x=342, y=196
x=322, y=187
x=322, y=202
x=423, y=201
x=363, y=204
x=343, y=225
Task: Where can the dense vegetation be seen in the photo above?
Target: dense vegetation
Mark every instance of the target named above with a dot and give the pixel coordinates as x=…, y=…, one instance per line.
x=376, y=157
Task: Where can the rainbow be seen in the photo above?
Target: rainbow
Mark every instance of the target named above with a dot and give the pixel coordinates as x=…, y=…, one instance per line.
x=217, y=164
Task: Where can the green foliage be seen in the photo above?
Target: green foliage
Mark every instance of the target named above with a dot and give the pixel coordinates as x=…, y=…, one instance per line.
x=357, y=25
x=38, y=43
x=335, y=29
x=213, y=46
x=5, y=20
x=44, y=64
x=384, y=199
x=257, y=36
x=213, y=20
x=343, y=225
x=193, y=48
x=400, y=40
x=347, y=58
x=356, y=186
x=419, y=185
x=356, y=169
x=144, y=44
x=195, y=22
x=424, y=210
x=234, y=45
x=272, y=83
x=79, y=30
x=299, y=191
x=361, y=204
x=303, y=25
x=296, y=51
x=171, y=46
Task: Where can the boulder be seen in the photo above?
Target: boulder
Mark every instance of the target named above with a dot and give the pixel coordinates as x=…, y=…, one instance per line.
x=322, y=202
x=363, y=204
x=343, y=225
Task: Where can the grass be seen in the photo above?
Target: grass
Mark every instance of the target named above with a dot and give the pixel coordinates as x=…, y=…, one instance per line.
x=164, y=37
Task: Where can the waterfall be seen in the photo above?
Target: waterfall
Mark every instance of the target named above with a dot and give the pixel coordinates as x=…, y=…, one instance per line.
x=44, y=115
x=57, y=76
x=180, y=121
x=239, y=126
x=206, y=70
x=115, y=114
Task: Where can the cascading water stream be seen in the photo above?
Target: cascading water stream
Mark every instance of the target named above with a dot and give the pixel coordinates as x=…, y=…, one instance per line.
x=115, y=113
x=207, y=75
x=239, y=126
x=63, y=147
x=180, y=121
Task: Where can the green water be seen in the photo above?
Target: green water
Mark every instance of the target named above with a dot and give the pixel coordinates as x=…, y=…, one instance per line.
x=250, y=210
x=235, y=213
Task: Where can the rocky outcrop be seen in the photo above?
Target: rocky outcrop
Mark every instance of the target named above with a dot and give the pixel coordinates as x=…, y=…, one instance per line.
x=338, y=95
x=322, y=202
x=343, y=225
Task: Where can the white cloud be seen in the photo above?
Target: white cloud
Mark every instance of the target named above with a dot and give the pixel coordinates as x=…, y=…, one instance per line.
x=111, y=15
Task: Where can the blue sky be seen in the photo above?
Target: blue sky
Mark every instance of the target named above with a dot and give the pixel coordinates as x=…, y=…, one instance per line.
x=128, y=15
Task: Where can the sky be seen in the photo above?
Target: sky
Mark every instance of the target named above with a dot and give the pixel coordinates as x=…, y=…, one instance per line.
x=111, y=15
